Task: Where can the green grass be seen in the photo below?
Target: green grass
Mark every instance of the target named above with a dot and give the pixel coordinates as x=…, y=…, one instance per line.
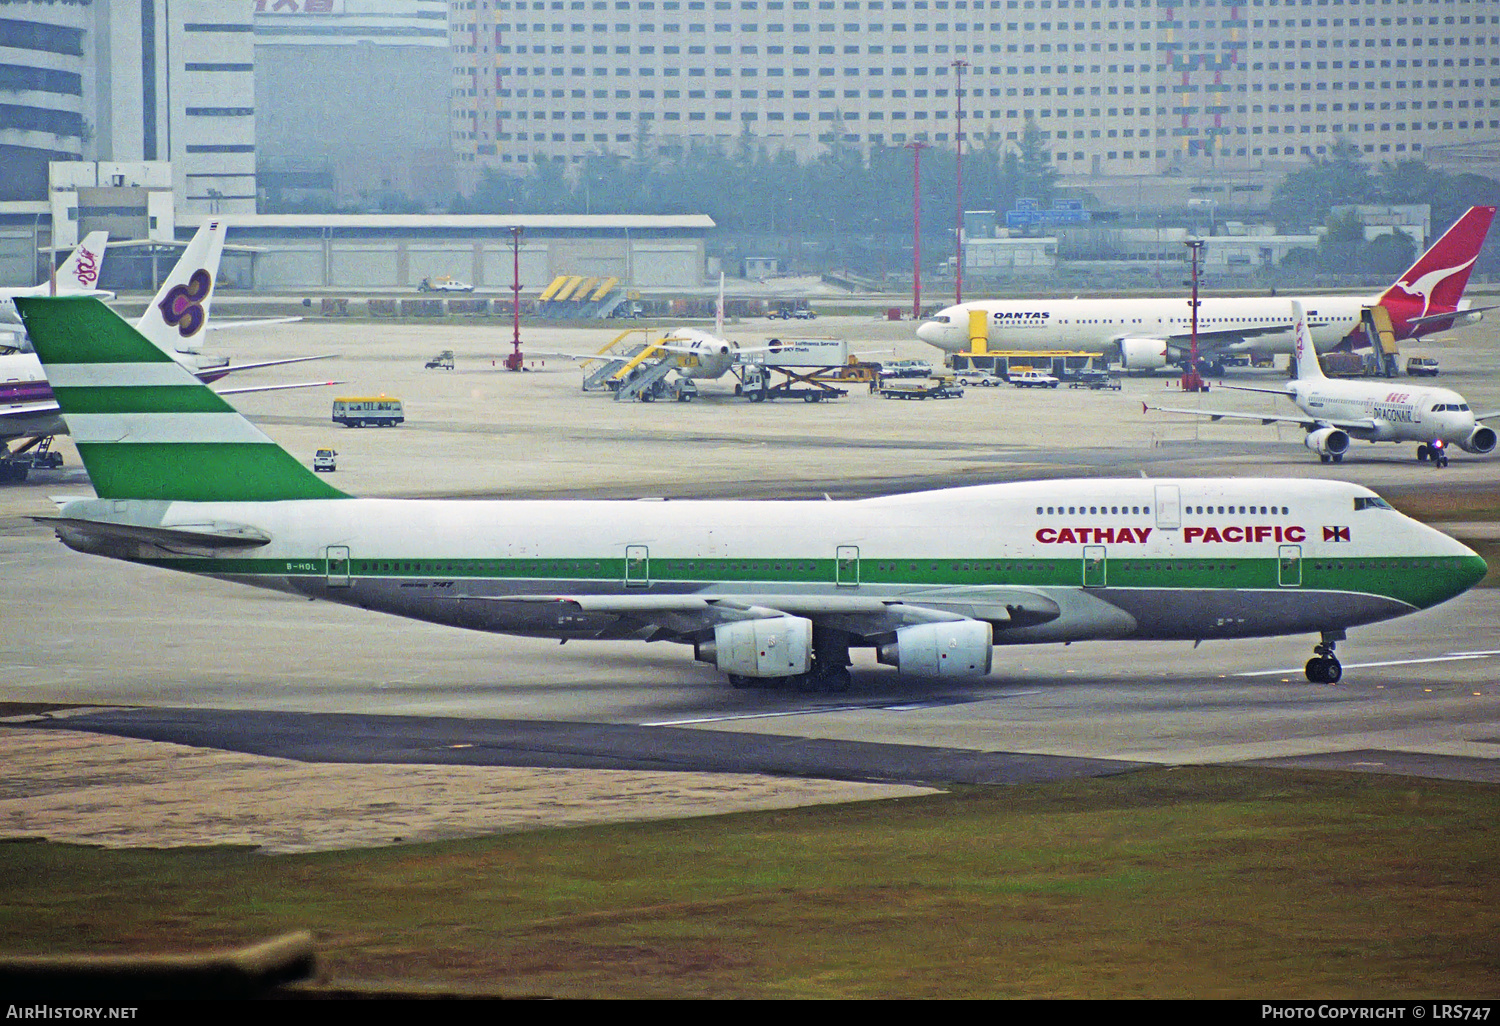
x=1188, y=883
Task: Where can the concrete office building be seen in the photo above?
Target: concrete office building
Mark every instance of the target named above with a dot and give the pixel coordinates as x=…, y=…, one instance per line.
x=351, y=99
x=1117, y=87
x=131, y=81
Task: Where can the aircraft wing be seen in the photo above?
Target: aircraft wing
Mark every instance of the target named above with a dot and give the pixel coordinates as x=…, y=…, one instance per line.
x=1489, y=415
x=1214, y=340
x=1355, y=427
x=683, y=617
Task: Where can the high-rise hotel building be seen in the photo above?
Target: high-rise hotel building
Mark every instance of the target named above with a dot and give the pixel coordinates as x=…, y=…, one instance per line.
x=1116, y=87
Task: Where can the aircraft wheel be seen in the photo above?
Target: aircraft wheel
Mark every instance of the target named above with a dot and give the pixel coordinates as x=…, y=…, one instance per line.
x=1315, y=671
x=838, y=679
x=737, y=681
x=1423, y=451
x=806, y=682
x=1324, y=457
x=1333, y=671
x=1338, y=457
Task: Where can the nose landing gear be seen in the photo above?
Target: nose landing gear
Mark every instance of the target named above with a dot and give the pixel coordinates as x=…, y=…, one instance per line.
x=1324, y=667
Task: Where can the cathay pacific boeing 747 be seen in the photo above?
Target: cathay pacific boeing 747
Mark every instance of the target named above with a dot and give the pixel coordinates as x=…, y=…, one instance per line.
x=766, y=591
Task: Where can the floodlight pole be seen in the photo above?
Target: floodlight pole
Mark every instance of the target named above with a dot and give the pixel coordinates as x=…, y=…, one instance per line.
x=513, y=361
x=916, y=227
x=958, y=234
x=1191, y=381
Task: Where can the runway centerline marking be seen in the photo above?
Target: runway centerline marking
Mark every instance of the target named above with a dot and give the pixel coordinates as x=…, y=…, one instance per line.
x=1452, y=657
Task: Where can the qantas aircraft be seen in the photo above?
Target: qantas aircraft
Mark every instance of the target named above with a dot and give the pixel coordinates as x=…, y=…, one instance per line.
x=1335, y=411
x=768, y=592
x=173, y=321
x=1156, y=332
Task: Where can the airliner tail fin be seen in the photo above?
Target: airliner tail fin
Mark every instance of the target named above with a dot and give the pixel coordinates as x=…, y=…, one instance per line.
x=145, y=427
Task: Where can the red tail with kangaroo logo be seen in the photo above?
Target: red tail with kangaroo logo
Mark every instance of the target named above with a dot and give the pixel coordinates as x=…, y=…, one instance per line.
x=1433, y=285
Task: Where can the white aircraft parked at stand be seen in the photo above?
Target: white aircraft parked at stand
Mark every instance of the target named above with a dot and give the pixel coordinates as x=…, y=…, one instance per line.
x=1156, y=332
x=1335, y=411
x=696, y=355
x=77, y=276
x=173, y=322
x=768, y=592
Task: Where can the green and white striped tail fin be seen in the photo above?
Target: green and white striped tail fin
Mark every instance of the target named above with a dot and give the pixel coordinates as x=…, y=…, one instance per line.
x=145, y=427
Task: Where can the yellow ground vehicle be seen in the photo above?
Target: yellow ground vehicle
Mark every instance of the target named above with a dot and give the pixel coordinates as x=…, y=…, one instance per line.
x=368, y=411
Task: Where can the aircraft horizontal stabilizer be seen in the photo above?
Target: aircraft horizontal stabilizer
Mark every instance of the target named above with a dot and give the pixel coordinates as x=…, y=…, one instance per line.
x=276, y=388
x=1450, y=315
x=95, y=534
x=259, y=322
x=236, y=367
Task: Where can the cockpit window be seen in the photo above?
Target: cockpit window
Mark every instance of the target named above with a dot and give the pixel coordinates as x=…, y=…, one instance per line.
x=1370, y=502
x=943, y=318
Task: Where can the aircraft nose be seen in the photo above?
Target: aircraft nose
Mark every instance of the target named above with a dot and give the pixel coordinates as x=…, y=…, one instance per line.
x=932, y=332
x=1472, y=570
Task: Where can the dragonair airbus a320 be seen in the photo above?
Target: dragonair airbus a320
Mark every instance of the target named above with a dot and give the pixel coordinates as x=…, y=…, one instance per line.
x=1155, y=332
x=1334, y=411
x=766, y=591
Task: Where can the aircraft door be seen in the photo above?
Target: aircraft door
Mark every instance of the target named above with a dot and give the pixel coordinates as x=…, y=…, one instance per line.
x=1093, y=566
x=846, y=566
x=1289, y=566
x=337, y=568
x=1168, y=507
x=637, y=566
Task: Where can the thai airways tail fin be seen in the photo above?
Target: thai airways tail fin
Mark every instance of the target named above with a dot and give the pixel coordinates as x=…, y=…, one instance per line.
x=1436, y=282
x=178, y=314
x=80, y=272
x=145, y=427
x=1306, y=353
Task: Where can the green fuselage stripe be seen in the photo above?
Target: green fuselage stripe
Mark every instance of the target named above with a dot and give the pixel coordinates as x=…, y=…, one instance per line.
x=1420, y=581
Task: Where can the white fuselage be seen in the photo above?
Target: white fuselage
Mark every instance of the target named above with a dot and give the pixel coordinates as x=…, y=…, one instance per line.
x=1400, y=412
x=1118, y=558
x=1099, y=325
x=709, y=356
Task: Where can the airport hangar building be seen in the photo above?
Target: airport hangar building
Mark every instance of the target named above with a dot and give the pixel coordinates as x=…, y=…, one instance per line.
x=134, y=202
x=397, y=251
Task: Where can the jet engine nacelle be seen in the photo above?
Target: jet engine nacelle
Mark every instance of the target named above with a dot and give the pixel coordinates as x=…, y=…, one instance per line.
x=778, y=646
x=1142, y=353
x=1327, y=441
x=1481, y=441
x=957, y=648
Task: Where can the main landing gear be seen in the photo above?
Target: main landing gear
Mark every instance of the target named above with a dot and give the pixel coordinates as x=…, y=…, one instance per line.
x=1325, y=668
